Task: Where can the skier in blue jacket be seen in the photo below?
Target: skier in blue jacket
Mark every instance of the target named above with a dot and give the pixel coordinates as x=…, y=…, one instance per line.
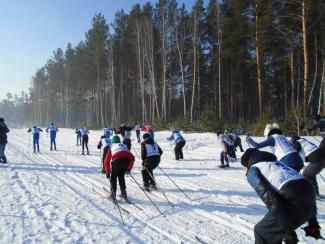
x=78, y=132
x=289, y=197
x=53, y=130
x=281, y=148
x=179, y=144
x=36, y=136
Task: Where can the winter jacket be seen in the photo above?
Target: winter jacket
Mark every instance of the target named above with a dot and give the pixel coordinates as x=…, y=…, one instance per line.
x=176, y=136
x=125, y=131
x=78, y=132
x=3, y=133
x=277, y=186
x=104, y=142
x=117, y=151
x=149, y=148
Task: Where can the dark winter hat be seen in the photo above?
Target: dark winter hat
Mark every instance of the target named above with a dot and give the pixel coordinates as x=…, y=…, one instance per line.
x=275, y=131
x=146, y=136
x=246, y=156
x=2, y=120
x=295, y=138
x=116, y=139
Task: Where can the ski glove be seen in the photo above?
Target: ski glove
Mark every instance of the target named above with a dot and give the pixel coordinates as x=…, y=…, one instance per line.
x=313, y=231
x=98, y=146
x=108, y=176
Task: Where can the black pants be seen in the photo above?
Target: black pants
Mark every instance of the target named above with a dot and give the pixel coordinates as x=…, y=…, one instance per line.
x=127, y=142
x=298, y=202
x=147, y=171
x=178, y=150
x=317, y=163
x=119, y=168
x=85, y=144
x=138, y=135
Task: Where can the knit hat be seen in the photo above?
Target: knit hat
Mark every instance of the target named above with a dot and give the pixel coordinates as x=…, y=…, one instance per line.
x=115, y=139
x=267, y=129
x=276, y=125
x=246, y=156
x=146, y=136
x=2, y=120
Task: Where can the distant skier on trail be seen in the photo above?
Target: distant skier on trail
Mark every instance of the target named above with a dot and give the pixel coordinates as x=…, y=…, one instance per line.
x=3, y=140
x=78, y=132
x=36, y=136
x=314, y=155
x=179, y=144
x=53, y=130
x=84, y=136
x=150, y=155
x=227, y=149
x=149, y=129
x=281, y=148
x=236, y=139
x=118, y=161
x=137, y=129
x=289, y=197
x=125, y=131
x=107, y=131
x=105, y=143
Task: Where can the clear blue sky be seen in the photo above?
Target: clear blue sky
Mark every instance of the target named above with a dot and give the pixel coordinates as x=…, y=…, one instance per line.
x=32, y=29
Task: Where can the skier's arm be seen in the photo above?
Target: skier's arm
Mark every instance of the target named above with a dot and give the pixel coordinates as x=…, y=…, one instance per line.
x=132, y=158
x=29, y=130
x=297, y=146
x=47, y=129
x=107, y=162
x=268, y=142
x=40, y=129
x=143, y=152
x=99, y=146
x=5, y=128
x=160, y=151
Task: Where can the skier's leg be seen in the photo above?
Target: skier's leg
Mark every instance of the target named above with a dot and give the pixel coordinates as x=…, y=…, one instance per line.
x=145, y=177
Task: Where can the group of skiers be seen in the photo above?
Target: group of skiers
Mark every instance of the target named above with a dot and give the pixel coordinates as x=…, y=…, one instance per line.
x=288, y=191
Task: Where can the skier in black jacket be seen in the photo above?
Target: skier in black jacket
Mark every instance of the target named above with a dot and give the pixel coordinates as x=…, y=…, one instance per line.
x=150, y=155
x=125, y=131
x=289, y=197
x=3, y=140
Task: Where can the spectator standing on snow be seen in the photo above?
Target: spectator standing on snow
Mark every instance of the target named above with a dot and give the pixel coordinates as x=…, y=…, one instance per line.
x=289, y=197
x=36, y=136
x=314, y=155
x=3, y=140
x=150, y=155
x=53, y=130
x=118, y=161
x=179, y=144
x=281, y=148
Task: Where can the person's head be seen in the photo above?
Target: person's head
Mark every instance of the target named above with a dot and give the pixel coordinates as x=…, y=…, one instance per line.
x=175, y=131
x=105, y=126
x=317, y=117
x=246, y=157
x=219, y=133
x=34, y=126
x=2, y=120
x=276, y=125
x=294, y=138
x=146, y=136
x=274, y=131
x=52, y=123
x=116, y=139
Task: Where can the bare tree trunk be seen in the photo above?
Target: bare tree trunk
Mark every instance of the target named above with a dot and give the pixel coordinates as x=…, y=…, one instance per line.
x=315, y=75
x=293, y=75
x=306, y=63
x=219, y=60
x=194, y=65
x=259, y=57
x=322, y=91
x=164, y=63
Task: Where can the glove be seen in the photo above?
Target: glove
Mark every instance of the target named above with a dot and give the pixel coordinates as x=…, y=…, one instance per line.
x=108, y=176
x=128, y=172
x=313, y=231
x=290, y=238
x=98, y=147
x=225, y=154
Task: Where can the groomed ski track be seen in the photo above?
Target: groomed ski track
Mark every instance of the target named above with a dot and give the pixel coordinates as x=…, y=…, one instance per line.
x=49, y=197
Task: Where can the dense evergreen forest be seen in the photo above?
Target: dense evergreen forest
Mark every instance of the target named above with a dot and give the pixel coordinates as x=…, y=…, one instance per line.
x=230, y=62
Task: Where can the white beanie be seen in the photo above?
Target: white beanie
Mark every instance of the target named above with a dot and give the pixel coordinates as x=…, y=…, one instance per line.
x=267, y=129
x=276, y=125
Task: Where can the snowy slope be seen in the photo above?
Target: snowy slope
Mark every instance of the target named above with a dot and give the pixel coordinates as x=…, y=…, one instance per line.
x=49, y=197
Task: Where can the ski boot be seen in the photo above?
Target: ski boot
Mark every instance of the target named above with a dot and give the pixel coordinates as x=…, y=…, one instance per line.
x=113, y=196
x=153, y=186
x=123, y=194
x=222, y=166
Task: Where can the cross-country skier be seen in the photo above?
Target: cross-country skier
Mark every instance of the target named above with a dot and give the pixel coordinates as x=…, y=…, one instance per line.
x=125, y=131
x=137, y=129
x=320, y=125
x=118, y=161
x=150, y=155
x=84, y=138
x=281, y=148
x=289, y=197
x=3, y=140
x=236, y=139
x=314, y=155
x=149, y=129
x=36, y=136
x=107, y=131
x=179, y=144
x=53, y=130
x=105, y=143
x=228, y=148
x=78, y=132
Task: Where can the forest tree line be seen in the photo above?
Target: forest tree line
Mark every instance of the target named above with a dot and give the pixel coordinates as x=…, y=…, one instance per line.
x=228, y=62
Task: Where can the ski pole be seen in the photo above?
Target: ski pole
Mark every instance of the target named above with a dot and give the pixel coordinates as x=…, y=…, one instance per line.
x=135, y=151
x=116, y=202
x=159, y=187
x=322, y=177
x=175, y=184
x=147, y=195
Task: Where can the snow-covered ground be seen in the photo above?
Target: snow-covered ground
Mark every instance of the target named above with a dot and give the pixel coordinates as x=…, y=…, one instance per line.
x=49, y=197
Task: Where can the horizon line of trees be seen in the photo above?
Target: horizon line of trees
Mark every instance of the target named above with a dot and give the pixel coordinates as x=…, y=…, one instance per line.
x=232, y=60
